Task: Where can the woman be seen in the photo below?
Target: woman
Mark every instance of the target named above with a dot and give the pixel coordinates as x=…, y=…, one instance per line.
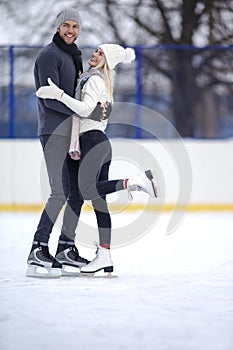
x=97, y=85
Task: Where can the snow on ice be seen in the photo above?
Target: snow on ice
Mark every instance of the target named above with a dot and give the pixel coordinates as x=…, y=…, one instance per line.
x=174, y=292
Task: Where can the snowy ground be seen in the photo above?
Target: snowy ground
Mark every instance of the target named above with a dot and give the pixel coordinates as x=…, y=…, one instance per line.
x=174, y=292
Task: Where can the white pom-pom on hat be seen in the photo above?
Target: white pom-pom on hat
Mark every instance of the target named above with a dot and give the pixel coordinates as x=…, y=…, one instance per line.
x=115, y=54
x=129, y=55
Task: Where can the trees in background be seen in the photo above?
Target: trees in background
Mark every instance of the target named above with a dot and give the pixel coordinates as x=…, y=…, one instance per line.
x=194, y=67
x=197, y=77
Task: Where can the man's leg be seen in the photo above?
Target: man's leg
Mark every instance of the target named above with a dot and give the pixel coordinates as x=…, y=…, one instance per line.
x=67, y=253
x=55, y=149
x=74, y=201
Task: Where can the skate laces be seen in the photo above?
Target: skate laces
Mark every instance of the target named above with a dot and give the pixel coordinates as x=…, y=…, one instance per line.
x=96, y=257
x=75, y=255
x=97, y=247
x=130, y=196
x=45, y=253
x=131, y=187
x=136, y=183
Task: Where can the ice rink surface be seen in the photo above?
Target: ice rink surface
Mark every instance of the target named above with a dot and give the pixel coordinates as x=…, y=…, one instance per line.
x=174, y=292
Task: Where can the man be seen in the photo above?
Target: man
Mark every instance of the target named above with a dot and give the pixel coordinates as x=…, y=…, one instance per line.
x=61, y=61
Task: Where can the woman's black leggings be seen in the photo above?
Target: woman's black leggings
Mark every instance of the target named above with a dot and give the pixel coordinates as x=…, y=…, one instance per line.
x=96, y=155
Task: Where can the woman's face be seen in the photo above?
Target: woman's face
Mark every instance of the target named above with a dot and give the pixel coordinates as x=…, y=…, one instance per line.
x=97, y=58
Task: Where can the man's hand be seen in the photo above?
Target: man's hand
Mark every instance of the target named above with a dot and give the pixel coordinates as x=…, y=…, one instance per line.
x=52, y=91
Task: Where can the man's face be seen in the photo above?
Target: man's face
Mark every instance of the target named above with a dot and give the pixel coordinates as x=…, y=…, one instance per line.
x=69, y=31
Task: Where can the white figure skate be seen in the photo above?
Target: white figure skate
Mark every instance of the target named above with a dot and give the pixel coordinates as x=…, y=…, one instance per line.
x=144, y=182
x=102, y=261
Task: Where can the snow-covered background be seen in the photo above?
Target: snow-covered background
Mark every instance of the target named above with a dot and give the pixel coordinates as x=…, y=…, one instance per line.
x=173, y=291
x=27, y=22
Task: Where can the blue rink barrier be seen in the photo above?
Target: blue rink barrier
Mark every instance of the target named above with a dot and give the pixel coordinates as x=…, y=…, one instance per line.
x=18, y=110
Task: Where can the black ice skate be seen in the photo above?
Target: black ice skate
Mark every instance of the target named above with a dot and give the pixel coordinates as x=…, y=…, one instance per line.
x=67, y=254
x=41, y=263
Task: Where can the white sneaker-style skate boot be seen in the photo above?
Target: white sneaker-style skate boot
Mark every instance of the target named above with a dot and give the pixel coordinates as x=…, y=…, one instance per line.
x=102, y=261
x=143, y=182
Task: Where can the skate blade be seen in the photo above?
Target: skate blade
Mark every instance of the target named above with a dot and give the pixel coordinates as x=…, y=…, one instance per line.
x=94, y=275
x=43, y=272
x=154, y=183
x=155, y=190
x=70, y=271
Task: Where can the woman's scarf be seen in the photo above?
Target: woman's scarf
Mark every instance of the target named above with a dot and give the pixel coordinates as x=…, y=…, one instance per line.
x=74, y=150
x=83, y=79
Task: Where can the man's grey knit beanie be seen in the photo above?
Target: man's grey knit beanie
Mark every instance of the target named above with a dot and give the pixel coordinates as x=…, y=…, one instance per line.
x=67, y=14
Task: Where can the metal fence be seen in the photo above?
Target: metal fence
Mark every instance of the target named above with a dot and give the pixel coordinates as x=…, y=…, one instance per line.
x=175, y=81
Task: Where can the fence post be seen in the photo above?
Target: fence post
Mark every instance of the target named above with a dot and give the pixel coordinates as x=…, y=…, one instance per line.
x=138, y=92
x=11, y=94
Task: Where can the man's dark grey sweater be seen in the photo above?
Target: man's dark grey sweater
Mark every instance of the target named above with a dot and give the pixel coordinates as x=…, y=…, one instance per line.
x=58, y=65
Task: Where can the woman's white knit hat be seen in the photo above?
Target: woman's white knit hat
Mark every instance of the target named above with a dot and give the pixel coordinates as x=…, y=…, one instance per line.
x=115, y=54
x=67, y=14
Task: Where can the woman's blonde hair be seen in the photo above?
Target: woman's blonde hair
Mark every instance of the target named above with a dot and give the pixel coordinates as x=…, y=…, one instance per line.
x=108, y=76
